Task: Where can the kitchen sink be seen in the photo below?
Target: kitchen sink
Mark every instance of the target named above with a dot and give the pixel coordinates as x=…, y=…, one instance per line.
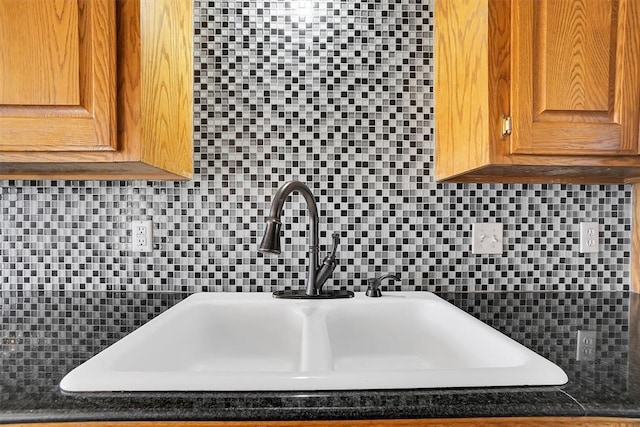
x=251, y=341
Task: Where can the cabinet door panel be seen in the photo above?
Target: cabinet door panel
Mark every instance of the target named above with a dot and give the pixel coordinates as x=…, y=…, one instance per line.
x=575, y=56
x=44, y=69
x=575, y=77
x=57, y=75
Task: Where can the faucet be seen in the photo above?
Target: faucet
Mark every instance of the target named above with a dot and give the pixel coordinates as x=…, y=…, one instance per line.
x=317, y=274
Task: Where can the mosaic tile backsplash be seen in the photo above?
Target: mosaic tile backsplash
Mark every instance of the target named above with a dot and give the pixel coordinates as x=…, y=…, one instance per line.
x=338, y=95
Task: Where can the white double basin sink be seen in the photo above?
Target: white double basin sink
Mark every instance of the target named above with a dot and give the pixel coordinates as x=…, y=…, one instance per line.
x=252, y=341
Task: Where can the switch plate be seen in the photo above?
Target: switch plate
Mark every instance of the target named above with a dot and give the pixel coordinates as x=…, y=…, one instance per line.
x=487, y=238
x=142, y=236
x=589, y=237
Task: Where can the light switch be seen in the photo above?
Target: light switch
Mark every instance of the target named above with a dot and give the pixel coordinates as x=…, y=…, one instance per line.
x=487, y=238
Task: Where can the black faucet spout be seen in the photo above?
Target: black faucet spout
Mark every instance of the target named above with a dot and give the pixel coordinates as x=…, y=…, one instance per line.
x=271, y=240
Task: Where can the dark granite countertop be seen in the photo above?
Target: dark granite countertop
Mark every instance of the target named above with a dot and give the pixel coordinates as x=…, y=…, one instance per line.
x=47, y=333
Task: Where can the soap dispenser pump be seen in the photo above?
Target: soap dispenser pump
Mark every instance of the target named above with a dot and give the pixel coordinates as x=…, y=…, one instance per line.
x=373, y=285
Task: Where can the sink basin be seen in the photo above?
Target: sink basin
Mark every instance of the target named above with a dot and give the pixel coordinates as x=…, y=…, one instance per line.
x=251, y=341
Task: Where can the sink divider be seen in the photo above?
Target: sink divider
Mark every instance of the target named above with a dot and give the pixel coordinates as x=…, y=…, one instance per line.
x=315, y=354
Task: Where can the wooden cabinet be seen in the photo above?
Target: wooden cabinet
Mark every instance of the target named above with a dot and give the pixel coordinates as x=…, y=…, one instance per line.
x=62, y=80
x=96, y=89
x=537, y=90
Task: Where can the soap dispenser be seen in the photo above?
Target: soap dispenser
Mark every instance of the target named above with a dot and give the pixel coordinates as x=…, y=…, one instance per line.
x=373, y=285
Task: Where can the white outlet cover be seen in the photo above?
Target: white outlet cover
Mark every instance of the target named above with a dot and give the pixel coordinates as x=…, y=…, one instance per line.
x=589, y=237
x=587, y=342
x=142, y=236
x=487, y=238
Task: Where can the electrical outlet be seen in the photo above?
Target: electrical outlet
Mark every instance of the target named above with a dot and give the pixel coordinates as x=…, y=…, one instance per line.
x=589, y=237
x=487, y=238
x=586, y=350
x=142, y=236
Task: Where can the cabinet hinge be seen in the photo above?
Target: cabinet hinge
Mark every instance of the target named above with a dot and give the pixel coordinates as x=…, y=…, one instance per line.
x=506, y=126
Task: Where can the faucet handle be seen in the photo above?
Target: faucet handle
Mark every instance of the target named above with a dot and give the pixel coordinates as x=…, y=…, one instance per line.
x=325, y=270
x=373, y=285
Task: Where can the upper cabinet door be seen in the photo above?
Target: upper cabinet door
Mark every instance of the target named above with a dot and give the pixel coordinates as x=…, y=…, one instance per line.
x=57, y=75
x=575, y=77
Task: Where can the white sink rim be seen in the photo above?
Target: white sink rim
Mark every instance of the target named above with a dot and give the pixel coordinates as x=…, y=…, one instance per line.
x=317, y=369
